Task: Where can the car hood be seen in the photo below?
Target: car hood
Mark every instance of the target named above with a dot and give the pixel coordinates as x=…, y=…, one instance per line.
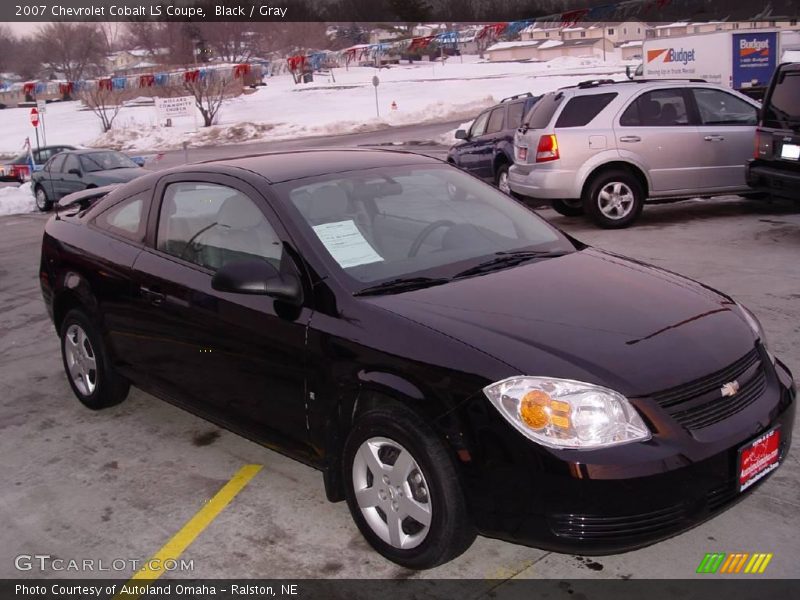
x=590, y=316
x=118, y=175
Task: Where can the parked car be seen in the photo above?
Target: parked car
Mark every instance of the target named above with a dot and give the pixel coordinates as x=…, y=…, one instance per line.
x=605, y=147
x=19, y=169
x=77, y=170
x=452, y=364
x=487, y=149
x=775, y=168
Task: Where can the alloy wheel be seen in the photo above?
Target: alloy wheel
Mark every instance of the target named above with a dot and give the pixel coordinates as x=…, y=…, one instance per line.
x=392, y=493
x=502, y=183
x=41, y=199
x=616, y=200
x=81, y=359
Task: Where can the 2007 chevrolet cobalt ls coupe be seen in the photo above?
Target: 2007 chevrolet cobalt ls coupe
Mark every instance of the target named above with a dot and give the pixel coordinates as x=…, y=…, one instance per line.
x=453, y=364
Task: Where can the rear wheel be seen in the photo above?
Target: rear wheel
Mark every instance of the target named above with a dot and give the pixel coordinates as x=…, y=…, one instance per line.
x=403, y=491
x=614, y=199
x=43, y=203
x=501, y=179
x=87, y=365
x=568, y=208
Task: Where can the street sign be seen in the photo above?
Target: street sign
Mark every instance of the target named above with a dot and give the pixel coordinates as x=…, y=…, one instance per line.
x=168, y=108
x=34, y=117
x=41, y=106
x=375, y=80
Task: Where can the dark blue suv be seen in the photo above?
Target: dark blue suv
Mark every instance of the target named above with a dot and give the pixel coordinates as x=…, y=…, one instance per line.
x=487, y=149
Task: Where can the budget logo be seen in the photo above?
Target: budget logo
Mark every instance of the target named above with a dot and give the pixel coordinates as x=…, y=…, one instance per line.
x=736, y=563
x=754, y=47
x=672, y=55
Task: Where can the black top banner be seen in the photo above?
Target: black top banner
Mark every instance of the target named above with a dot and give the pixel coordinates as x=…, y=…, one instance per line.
x=399, y=11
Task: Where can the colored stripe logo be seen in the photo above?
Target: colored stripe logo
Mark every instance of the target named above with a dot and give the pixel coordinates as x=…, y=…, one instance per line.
x=737, y=562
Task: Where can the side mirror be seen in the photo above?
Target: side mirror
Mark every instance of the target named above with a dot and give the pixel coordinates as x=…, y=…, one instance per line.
x=628, y=72
x=76, y=172
x=257, y=277
x=461, y=134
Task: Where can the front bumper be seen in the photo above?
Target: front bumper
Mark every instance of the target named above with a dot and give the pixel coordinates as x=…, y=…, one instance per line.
x=778, y=182
x=614, y=500
x=543, y=181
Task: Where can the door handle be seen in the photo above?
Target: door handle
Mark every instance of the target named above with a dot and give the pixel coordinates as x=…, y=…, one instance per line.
x=152, y=296
x=630, y=138
x=714, y=138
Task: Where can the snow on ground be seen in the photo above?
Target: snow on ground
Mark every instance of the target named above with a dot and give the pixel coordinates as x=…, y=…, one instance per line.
x=16, y=200
x=423, y=92
x=448, y=138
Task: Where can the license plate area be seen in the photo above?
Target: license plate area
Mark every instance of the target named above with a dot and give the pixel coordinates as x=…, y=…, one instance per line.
x=758, y=458
x=790, y=151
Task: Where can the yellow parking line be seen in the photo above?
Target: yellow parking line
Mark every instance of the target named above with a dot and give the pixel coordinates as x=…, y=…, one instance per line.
x=189, y=532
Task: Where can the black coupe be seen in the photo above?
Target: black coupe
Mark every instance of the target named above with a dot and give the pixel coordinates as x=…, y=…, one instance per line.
x=452, y=363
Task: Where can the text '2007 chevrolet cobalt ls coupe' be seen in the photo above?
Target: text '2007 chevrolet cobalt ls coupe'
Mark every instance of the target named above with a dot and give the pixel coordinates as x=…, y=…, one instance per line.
x=452, y=363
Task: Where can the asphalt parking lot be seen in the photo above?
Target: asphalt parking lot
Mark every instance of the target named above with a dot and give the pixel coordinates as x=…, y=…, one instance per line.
x=120, y=483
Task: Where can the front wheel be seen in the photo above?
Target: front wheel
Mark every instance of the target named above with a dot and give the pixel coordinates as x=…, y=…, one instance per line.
x=614, y=199
x=43, y=203
x=403, y=491
x=501, y=179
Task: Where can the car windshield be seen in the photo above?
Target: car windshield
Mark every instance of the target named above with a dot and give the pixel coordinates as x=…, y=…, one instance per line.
x=106, y=161
x=431, y=221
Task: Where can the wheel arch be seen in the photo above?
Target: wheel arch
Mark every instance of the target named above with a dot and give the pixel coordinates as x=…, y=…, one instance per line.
x=72, y=292
x=613, y=165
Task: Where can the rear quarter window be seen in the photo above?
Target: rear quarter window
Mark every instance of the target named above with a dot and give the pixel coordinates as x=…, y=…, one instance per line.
x=782, y=108
x=581, y=110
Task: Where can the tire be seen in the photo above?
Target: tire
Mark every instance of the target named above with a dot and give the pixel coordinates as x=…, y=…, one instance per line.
x=43, y=203
x=622, y=203
x=430, y=489
x=87, y=365
x=569, y=208
x=501, y=179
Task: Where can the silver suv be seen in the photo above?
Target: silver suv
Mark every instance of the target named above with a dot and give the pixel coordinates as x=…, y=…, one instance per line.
x=605, y=147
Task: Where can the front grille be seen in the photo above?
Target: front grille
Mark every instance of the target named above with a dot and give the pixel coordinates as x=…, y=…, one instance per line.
x=649, y=524
x=700, y=403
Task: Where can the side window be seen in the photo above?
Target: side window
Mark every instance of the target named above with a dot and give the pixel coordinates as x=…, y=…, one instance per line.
x=71, y=163
x=479, y=126
x=125, y=218
x=42, y=156
x=57, y=163
x=580, y=110
x=496, y=119
x=720, y=108
x=515, y=113
x=212, y=225
x=659, y=108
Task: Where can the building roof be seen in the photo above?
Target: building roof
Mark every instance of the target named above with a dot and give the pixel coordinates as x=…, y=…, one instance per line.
x=507, y=45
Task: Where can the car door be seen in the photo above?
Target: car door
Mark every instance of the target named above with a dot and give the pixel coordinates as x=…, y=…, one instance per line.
x=727, y=126
x=468, y=151
x=51, y=176
x=488, y=142
x=71, y=178
x=239, y=358
x=656, y=130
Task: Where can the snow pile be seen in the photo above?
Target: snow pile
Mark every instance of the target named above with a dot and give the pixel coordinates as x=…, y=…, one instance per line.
x=449, y=138
x=16, y=200
x=422, y=92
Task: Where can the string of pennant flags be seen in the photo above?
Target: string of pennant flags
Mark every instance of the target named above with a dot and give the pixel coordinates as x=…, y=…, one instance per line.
x=139, y=81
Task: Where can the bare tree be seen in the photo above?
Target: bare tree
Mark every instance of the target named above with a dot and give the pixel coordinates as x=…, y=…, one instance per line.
x=104, y=102
x=7, y=43
x=210, y=91
x=232, y=41
x=74, y=49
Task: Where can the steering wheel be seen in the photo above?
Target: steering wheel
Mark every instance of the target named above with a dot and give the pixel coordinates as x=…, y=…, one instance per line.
x=423, y=235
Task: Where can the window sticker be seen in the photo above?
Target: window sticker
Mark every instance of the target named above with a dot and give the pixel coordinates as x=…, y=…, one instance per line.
x=346, y=244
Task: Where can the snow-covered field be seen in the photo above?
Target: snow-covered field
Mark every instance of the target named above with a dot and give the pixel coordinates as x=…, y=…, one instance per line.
x=17, y=199
x=423, y=92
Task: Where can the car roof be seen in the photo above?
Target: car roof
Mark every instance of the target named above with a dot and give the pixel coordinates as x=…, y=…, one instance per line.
x=277, y=167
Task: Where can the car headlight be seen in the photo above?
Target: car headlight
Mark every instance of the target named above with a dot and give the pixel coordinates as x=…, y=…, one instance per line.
x=562, y=413
x=758, y=330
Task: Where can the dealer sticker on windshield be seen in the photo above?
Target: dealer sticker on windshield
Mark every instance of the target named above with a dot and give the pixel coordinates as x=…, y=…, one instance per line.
x=758, y=458
x=790, y=151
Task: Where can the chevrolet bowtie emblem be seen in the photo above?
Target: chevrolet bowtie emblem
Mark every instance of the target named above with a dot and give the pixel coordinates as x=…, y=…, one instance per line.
x=729, y=389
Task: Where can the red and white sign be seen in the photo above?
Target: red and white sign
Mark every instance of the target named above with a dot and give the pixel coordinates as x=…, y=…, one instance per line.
x=758, y=458
x=34, y=117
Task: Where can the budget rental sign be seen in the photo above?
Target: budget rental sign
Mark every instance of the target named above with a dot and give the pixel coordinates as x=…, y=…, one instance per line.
x=754, y=58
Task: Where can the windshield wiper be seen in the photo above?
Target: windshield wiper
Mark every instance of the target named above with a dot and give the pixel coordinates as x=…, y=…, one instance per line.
x=401, y=284
x=507, y=259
